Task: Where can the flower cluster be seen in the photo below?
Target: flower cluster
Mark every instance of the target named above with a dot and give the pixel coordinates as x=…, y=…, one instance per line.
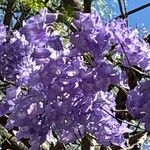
x=98, y=38
x=127, y=42
x=13, y=49
x=66, y=92
x=138, y=103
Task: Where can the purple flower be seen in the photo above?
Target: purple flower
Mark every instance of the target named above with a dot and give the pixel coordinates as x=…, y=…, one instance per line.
x=139, y=101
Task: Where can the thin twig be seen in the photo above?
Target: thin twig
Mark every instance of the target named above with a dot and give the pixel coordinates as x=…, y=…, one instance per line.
x=121, y=8
x=134, y=10
x=125, y=12
x=128, y=60
x=121, y=111
x=125, y=9
x=122, y=120
x=138, y=71
x=124, y=52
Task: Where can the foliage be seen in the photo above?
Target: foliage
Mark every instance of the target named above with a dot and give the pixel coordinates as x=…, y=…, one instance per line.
x=35, y=5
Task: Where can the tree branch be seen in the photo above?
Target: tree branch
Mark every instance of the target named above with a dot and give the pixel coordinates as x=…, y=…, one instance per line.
x=18, y=145
x=21, y=18
x=72, y=3
x=8, y=12
x=87, y=6
x=86, y=142
x=59, y=146
x=125, y=9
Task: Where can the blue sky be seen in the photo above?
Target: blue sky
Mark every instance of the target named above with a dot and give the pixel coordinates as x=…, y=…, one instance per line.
x=140, y=17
